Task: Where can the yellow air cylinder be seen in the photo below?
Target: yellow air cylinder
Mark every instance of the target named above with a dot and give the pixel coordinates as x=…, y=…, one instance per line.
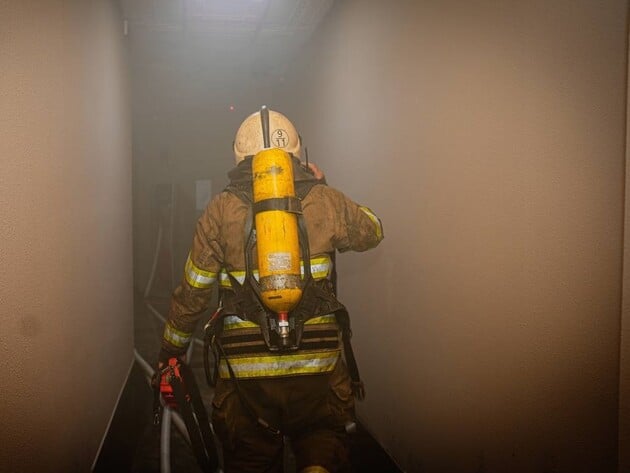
x=277, y=241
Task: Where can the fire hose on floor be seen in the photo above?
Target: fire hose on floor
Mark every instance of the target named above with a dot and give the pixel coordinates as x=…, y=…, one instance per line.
x=178, y=398
x=193, y=422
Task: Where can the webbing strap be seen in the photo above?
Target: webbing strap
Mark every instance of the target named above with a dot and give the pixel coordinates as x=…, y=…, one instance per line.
x=343, y=318
x=288, y=204
x=250, y=410
x=195, y=417
x=302, y=189
x=212, y=329
x=196, y=441
x=201, y=414
x=358, y=389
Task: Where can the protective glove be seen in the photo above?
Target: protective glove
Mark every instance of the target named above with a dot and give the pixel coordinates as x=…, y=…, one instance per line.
x=167, y=373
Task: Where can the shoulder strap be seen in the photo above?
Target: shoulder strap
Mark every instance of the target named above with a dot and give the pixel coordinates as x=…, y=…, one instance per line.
x=242, y=190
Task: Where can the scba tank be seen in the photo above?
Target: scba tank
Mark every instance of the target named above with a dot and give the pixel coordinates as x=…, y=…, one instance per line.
x=277, y=241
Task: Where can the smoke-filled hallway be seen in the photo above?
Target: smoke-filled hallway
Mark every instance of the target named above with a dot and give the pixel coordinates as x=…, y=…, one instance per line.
x=133, y=442
x=491, y=326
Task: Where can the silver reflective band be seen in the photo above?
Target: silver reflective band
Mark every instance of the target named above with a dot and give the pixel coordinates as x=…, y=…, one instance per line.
x=320, y=268
x=280, y=365
x=231, y=322
x=197, y=277
x=224, y=280
x=175, y=337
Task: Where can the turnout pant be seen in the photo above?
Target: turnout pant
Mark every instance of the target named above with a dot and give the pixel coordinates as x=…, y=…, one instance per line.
x=312, y=410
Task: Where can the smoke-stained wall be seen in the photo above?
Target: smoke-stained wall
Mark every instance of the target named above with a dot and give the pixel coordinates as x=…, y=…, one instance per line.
x=65, y=194
x=489, y=136
x=183, y=127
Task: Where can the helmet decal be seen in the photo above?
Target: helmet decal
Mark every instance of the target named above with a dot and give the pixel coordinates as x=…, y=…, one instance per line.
x=279, y=138
x=265, y=129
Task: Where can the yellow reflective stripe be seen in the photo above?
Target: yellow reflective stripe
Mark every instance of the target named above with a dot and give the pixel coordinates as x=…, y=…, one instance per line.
x=224, y=280
x=197, y=277
x=234, y=322
x=375, y=220
x=320, y=268
x=280, y=365
x=323, y=319
x=176, y=337
x=231, y=322
x=314, y=469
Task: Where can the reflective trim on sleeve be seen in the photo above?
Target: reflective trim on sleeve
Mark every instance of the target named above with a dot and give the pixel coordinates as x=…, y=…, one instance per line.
x=224, y=280
x=375, y=220
x=280, y=365
x=197, y=277
x=321, y=267
x=176, y=337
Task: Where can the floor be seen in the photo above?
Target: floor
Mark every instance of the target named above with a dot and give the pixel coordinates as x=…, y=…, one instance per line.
x=133, y=441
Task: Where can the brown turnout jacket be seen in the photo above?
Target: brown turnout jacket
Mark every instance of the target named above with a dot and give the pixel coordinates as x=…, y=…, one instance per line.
x=333, y=222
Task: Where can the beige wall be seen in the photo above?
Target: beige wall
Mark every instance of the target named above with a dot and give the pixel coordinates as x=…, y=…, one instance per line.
x=624, y=372
x=489, y=136
x=65, y=200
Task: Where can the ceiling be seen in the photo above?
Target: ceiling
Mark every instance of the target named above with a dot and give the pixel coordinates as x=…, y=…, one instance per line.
x=251, y=36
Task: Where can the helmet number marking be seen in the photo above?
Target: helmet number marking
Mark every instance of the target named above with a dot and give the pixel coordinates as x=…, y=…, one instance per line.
x=280, y=138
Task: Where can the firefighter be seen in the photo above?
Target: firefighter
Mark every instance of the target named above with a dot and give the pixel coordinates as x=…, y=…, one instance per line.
x=275, y=382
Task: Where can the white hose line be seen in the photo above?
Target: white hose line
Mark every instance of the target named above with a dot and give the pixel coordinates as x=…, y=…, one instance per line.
x=177, y=419
x=165, y=441
x=167, y=415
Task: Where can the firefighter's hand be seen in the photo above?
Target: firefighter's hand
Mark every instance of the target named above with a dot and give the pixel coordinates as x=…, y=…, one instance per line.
x=164, y=356
x=318, y=173
x=166, y=391
x=161, y=381
x=163, y=361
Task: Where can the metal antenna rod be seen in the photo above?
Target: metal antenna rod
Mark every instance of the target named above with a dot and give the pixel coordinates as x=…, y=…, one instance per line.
x=264, y=118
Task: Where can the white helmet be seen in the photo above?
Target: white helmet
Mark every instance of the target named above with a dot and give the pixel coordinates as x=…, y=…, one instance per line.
x=265, y=129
